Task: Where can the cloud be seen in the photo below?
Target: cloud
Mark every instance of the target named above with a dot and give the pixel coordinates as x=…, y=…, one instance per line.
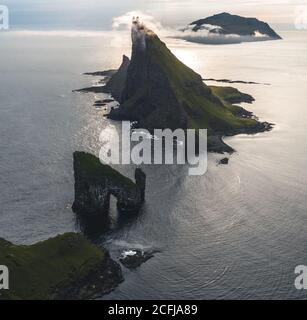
x=205, y=36
x=97, y=14
x=123, y=22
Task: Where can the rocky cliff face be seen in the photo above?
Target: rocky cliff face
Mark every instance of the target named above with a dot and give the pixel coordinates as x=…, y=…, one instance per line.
x=95, y=183
x=154, y=94
x=158, y=91
x=140, y=180
x=117, y=82
x=161, y=92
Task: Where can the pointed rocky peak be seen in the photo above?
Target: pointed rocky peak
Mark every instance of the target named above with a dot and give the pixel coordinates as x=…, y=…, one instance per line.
x=117, y=82
x=161, y=92
x=125, y=62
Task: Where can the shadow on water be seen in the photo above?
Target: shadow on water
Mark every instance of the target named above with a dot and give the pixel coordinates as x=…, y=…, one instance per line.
x=93, y=226
x=98, y=226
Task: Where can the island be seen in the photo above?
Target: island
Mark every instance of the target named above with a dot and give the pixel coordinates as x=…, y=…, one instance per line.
x=95, y=182
x=226, y=28
x=156, y=90
x=161, y=92
x=65, y=267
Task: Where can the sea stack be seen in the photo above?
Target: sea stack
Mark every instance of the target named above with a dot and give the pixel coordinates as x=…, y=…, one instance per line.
x=96, y=182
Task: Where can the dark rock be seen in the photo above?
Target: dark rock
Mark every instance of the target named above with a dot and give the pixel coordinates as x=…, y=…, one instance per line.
x=106, y=73
x=107, y=100
x=132, y=259
x=115, y=80
x=94, y=225
x=96, y=182
x=118, y=81
x=99, y=104
x=140, y=180
x=244, y=97
x=231, y=95
x=94, y=89
x=224, y=161
x=103, y=102
x=217, y=145
x=235, y=81
x=241, y=112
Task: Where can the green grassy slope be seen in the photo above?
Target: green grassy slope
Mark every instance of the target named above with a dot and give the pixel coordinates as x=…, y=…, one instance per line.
x=37, y=270
x=94, y=169
x=171, y=95
x=204, y=108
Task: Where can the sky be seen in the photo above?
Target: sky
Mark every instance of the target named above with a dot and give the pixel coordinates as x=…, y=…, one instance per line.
x=98, y=14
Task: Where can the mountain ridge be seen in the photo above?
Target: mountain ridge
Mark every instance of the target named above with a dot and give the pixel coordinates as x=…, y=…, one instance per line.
x=161, y=92
x=156, y=90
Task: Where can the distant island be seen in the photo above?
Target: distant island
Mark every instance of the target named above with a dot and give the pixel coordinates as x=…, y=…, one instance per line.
x=157, y=91
x=225, y=28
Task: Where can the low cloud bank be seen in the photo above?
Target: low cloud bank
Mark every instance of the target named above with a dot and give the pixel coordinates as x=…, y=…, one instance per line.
x=210, y=34
x=204, y=35
x=121, y=28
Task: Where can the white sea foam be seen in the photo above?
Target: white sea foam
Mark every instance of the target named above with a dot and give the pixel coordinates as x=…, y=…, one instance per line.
x=128, y=253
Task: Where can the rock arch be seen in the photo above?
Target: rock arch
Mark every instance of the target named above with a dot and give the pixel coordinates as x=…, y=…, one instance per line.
x=96, y=182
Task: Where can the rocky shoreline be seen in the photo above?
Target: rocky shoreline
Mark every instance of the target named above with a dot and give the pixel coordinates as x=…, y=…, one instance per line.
x=69, y=267
x=156, y=91
x=65, y=267
x=231, y=96
x=105, y=73
x=217, y=145
x=235, y=81
x=95, y=284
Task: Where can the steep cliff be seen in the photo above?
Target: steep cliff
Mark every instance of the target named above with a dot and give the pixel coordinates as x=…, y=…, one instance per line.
x=117, y=82
x=161, y=92
x=96, y=182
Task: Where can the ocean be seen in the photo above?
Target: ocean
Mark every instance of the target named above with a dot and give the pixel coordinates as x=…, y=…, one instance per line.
x=238, y=232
